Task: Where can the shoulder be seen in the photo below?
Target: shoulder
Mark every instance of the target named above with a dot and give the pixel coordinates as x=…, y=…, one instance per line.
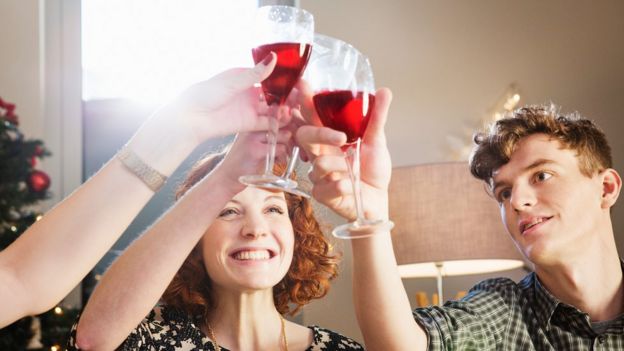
x=496, y=290
x=163, y=318
x=486, y=296
x=479, y=320
x=496, y=285
x=327, y=340
x=491, y=297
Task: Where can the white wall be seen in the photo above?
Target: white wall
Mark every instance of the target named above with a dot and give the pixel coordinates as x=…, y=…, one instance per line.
x=448, y=61
x=40, y=73
x=21, y=80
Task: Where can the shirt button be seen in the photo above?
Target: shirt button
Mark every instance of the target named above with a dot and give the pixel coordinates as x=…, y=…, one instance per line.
x=601, y=339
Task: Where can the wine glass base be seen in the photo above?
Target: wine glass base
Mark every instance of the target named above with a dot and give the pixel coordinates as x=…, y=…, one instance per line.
x=362, y=228
x=273, y=182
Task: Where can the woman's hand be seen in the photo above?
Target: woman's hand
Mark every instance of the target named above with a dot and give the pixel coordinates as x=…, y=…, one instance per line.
x=247, y=155
x=225, y=104
x=228, y=103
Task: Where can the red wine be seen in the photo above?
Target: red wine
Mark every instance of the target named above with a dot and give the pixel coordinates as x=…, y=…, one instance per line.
x=292, y=59
x=341, y=110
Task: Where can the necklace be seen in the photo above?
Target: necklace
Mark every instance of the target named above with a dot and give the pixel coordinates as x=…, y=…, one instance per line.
x=215, y=344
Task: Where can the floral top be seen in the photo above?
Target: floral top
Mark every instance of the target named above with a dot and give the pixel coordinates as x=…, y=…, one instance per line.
x=172, y=330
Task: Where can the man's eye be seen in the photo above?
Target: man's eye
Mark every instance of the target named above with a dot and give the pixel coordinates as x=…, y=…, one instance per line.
x=542, y=176
x=504, y=195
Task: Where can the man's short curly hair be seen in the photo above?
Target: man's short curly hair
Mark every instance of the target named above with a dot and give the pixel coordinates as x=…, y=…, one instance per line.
x=313, y=266
x=494, y=147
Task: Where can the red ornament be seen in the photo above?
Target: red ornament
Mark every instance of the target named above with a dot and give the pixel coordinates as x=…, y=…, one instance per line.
x=9, y=107
x=33, y=161
x=9, y=112
x=11, y=117
x=38, y=181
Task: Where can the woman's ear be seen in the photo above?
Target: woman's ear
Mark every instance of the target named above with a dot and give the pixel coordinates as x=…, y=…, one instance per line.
x=611, y=185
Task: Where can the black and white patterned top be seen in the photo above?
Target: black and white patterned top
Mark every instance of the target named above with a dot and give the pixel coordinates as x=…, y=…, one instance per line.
x=498, y=314
x=168, y=329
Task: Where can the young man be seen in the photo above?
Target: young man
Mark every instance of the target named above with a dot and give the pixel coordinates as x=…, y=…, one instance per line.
x=553, y=180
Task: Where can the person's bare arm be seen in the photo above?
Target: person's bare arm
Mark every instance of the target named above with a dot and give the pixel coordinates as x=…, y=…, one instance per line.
x=137, y=279
x=381, y=303
x=52, y=256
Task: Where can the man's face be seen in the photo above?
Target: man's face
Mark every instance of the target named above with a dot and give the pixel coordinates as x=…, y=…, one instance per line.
x=551, y=210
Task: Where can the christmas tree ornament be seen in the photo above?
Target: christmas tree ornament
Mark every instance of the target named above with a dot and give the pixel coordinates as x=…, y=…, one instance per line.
x=12, y=118
x=7, y=111
x=38, y=181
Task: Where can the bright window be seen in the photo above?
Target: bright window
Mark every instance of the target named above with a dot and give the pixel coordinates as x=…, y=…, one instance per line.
x=148, y=50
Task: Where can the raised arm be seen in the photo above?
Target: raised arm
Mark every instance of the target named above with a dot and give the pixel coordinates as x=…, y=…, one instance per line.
x=381, y=303
x=138, y=278
x=33, y=278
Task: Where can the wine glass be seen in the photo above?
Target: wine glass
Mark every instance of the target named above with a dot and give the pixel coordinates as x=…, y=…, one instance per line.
x=288, y=32
x=342, y=82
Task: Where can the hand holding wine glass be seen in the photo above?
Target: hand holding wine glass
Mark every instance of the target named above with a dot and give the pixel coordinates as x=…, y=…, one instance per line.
x=329, y=174
x=226, y=103
x=344, y=98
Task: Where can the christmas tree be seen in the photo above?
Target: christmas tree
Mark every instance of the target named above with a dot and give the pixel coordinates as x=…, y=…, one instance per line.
x=22, y=185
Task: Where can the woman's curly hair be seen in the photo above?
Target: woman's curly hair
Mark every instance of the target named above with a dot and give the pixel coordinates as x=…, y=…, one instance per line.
x=312, y=268
x=494, y=147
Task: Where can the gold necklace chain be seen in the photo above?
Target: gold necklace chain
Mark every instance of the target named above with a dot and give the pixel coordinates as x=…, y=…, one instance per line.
x=215, y=344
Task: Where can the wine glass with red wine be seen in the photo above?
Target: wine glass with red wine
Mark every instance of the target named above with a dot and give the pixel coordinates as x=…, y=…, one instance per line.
x=342, y=82
x=288, y=32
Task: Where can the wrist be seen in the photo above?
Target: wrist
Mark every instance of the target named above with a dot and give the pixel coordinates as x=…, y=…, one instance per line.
x=160, y=143
x=228, y=182
x=148, y=175
x=376, y=207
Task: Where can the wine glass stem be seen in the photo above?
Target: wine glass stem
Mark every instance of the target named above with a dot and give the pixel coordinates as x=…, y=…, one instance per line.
x=292, y=162
x=272, y=139
x=352, y=156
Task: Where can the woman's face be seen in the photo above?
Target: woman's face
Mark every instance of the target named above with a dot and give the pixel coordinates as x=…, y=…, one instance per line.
x=250, y=244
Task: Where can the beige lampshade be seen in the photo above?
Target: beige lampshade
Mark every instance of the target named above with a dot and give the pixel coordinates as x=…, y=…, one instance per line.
x=444, y=215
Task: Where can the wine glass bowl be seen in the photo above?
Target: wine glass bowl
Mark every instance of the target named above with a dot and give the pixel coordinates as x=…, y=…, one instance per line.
x=289, y=32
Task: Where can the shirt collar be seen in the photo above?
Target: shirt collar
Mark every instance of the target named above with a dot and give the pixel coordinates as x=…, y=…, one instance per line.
x=545, y=304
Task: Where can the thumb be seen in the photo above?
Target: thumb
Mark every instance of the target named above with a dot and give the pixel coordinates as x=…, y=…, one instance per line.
x=237, y=80
x=375, y=129
x=264, y=68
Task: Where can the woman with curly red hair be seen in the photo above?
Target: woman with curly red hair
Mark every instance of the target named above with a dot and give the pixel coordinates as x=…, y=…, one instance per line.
x=221, y=288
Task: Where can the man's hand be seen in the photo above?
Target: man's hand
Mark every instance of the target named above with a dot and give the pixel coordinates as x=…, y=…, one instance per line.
x=329, y=175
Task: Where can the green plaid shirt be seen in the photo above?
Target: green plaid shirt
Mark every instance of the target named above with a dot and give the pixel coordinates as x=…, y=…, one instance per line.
x=499, y=314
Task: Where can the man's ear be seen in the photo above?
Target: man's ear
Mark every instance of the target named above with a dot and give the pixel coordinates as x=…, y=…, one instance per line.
x=611, y=185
